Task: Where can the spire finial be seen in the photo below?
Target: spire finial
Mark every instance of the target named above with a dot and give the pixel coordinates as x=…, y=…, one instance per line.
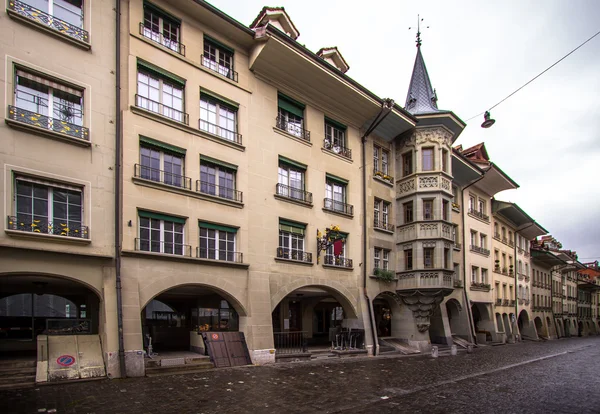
x=419, y=20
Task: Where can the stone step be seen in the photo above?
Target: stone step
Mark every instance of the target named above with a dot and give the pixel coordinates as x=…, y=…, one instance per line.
x=178, y=369
x=17, y=385
x=9, y=372
x=18, y=379
x=17, y=363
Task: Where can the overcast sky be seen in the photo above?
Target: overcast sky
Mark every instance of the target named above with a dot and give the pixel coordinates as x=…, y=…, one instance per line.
x=546, y=137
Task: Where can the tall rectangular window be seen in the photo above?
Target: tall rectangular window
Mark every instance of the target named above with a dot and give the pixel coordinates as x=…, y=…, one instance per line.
x=445, y=160
x=408, y=212
x=160, y=233
x=445, y=210
x=162, y=28
x=291, y=179
x=408, y=259
x=290, y=116
x=217, y=242
x=472, y=203
x=219, y=58
x=484, y=276
x=428, y=159
x=474, y=274
x=218, y=178
x=160, y=95
x=482, y=206
x=218, y=117
x=291, y=241
x=446, y=258
x=381, y=160
x=428, y=259
x=483, y=241
x=427, y=209
x=407, y=164
x=377, y=258
x=161, y=165
x=335, y=138
x=335, y=195
x=381, y=214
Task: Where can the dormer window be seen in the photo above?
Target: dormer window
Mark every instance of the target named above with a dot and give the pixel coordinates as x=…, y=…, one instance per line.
x=219, y=58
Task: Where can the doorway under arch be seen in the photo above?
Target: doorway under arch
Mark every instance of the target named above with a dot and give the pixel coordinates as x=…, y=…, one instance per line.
x=539, y=326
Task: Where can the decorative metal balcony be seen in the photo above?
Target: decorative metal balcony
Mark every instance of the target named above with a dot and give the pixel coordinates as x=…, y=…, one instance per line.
x=44, y=19
x=498, y=302
x=383, y=225
x=67, y=129
x=292, y=128
x=338, y=261
x=159, y=108
x=338, y=206
x=294, y=254
x=229, y=73
x=293, y=193
x=156, y=246
x=479, y=214
x=480, y=250
x=425, y=280
x=159, y=38
x=213, y=189
x=220, y=132
x=163, y=177
x=337, y=149
x=214, y=254
x=43, y=226
x=382, y=176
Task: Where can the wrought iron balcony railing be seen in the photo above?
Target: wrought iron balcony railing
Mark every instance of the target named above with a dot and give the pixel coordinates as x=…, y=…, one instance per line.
x=159, y=38
x=159, y=108
x=164, y=177
x=293, y=193
x=155, y=246
x=383, y=225
x=480, y=250
x=382, y=175
x=213, y=189
x=337, y=149
x=337, y=261
x=229, y=73
x=38, y=16
x=223, y=255
x=43, y=226
x=338, y=206
x=45, y=122
x=292, y=128
x=294, y=254
x=479, y=214
x=220, y=132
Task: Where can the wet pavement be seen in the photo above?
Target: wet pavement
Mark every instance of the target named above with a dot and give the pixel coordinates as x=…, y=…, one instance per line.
x=531, y=377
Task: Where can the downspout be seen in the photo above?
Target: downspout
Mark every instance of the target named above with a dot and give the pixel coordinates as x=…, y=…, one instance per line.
x=118, y=162
x=516, y=283
x=386, y=109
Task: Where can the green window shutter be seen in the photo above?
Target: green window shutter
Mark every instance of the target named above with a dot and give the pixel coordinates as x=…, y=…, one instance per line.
x=161, y=145
x=292, y=163
x=292, y=227
x=220, y=227
x=336, y=179
x=290, y=105
x=336, y=124
x=218, y=44
x=205, y=159
x=158, y=10
x=160, y=72
x=159, y=216
x=221, y=100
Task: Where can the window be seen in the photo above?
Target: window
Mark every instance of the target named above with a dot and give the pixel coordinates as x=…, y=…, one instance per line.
x=471, y=203
x=218, y=117
x=335, y=138
x=48, y=208
x=526, y=269
x=162, y=28
x=498, y=290
x=218, y=178
x=408, y=259
x=381, y=160
x=446, y=258
x=291, y=180
x=160, y=233
x=444, y=160
x=473, y=238
x=428, y=159
x=482, y=206
x=335, y=195
x=381, y=259
x=427, y=209
x=291, y=241
x=161, y=164
x=445, y=210
x=483, y=241
x=474, y=274
x=428, y=257
x=160, y=94
x=339, y=260
x=407, y=164
x=219, y=58
x=496, y=233
x=70, y=11
x=290, y=116
x=408, y=212
x=504, y=234
x=381, y=214
x=484, y=276
x=217, y=242
x=510, y=238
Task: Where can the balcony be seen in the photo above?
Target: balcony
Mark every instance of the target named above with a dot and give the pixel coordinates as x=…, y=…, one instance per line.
x=155, y=246
x=45, y=123
x=41, y=226
x=480, y=215
x=292, y=128
x=431, y=230
x=512, y=302
x=482, y=287
x=338, y=207
x=229, y=73
x=457, y=246
x=219, y=132
x=380, y=175
x=162, y=40
x=498, y=302
x=511, y=243
x=215, y=190
x=294, y=255
x=163, y=177
x=457, y=282
x=337, y=149
x=21, y=10
x=497, y=236
x=383, y=225
x=221, y=255
x=160, y=109
x=456, y=207
x=336, y=261
x=435, y=279
x=293, y=193
x=505, y=302
x=480, y=250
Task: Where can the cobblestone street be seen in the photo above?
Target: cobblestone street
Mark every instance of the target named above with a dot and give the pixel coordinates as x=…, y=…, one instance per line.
x=531, y=377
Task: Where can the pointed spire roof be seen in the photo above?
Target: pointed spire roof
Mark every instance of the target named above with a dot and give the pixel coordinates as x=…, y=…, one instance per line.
x=421, y=97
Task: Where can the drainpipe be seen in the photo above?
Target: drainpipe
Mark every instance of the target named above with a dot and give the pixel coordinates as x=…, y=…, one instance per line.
x=386, y=109
x=516, y=281
x=118, y=162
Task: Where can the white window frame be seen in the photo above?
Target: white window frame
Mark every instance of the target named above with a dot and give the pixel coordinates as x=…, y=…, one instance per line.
x=218, y=253
x=148, y=172
x=333, y=189
x=474, y=274
x=216, y=189
x=221, y=56
x=52, y=4
x=222, y=121
x=162, y=89
x=285, y=172
x=291, y=237
x=161, y=240
x=334, y=137
x=159, y=36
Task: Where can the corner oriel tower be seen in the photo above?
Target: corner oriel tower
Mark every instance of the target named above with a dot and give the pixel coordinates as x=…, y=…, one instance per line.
x=424, y=240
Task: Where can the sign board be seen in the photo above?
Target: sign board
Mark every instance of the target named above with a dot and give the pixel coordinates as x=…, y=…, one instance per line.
x=65, y=360
x=227, y=349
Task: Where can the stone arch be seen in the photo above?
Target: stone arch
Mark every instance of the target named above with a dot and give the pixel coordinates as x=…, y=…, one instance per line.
x=392, y=326
x=499, y=324
x=97, y=290
x=339, y=292
x=454, y=302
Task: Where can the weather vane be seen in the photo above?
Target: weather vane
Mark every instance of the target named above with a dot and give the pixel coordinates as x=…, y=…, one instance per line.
x=419, y=20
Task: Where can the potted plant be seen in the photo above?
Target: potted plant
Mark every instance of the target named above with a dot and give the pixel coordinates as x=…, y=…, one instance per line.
x=386, y=276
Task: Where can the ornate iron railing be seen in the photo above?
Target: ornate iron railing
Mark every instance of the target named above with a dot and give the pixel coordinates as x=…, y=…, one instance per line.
x=337, y=261
x=156, y=246
x=337, y=149
x=164, y=177
x=57, y=228
x=213, y=189
x=290, y=342
x=384, y=225
x=159, y=108
x=479, y=214
x=293, y=193
x=162, y=40
x=294, y=254
x=45, y=19
x=480, y=250
x=51, y=124
x=223, y=255
x=292, y=128
x=220, y=132
x=220, y=69
x=338, y=206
